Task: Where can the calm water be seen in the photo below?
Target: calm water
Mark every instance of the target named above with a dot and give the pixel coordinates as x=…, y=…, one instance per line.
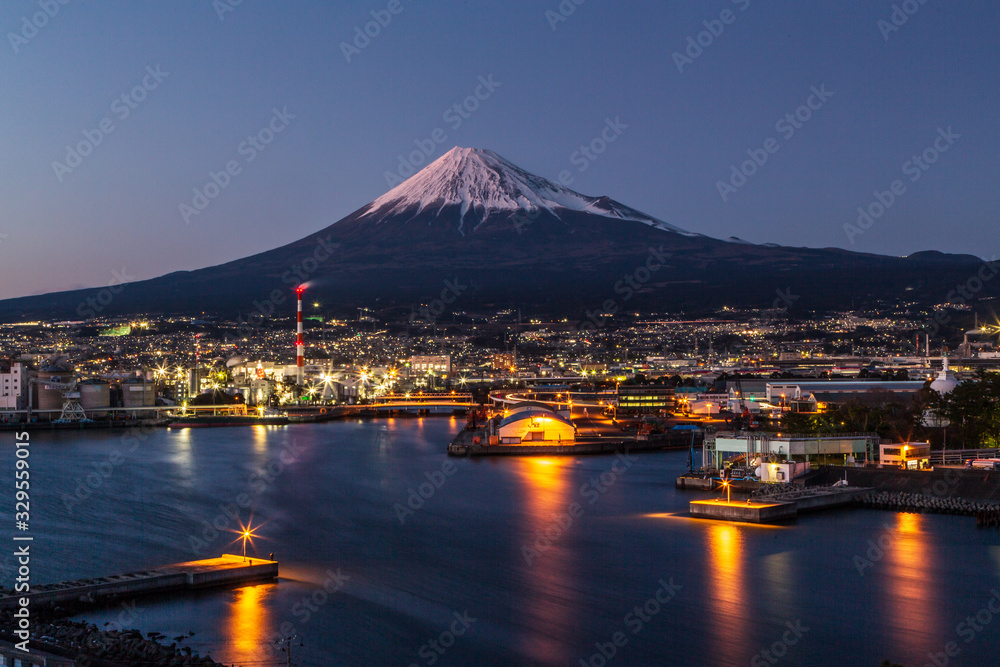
x=737, y=589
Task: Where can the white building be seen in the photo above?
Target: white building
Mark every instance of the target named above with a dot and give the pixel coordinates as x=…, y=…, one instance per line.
x=824, y=449
x=14, y=388
x=909, y=455
x=432, y=363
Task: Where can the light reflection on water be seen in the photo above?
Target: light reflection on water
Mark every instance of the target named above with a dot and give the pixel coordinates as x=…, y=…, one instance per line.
x=547, y=500
x=249, y=619
x=726, y=581
x=332, y=507
x=909, y=561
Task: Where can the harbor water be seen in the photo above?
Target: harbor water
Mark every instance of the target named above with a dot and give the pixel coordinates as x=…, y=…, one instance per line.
x=393, y=554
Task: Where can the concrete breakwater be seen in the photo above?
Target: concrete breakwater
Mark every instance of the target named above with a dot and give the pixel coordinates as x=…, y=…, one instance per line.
x=227, y=570
x=987, y=513
x=940, y=482
x=781, y=507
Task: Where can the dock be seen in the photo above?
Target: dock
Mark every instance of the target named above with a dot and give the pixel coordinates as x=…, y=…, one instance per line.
x=226, y=570
x=464, y=445
x=781, y=507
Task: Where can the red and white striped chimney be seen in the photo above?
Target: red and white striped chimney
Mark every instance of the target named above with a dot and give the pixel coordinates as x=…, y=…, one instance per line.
x=300, y=347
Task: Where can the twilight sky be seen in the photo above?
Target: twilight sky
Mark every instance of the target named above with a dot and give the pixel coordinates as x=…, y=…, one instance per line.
x=199, y=81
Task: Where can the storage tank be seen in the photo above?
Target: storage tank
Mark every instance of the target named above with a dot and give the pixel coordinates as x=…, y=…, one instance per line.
x=48, y=398
x=137, y=395
x=95, y=395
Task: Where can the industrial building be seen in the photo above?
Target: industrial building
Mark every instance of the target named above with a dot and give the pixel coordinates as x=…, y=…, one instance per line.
x=645, y=398
x=770, y=447
x=815, y=395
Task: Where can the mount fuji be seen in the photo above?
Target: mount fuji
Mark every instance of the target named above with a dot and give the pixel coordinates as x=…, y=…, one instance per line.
x=510, y=238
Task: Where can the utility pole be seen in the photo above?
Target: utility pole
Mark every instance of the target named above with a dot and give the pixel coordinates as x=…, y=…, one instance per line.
x=288, y=647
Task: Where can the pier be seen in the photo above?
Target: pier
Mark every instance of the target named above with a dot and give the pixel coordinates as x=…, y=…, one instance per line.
x=781, y=507
x=464, y=444
x=226, y=570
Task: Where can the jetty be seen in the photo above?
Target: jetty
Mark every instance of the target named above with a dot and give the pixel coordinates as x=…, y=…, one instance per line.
x=473, y=442
x=226, y=570
x=780, y=507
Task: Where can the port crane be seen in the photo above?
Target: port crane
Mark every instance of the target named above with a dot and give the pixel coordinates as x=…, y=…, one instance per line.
x=72, y=411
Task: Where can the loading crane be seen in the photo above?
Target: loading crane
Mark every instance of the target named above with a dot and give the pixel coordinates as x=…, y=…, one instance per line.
x=72, y=411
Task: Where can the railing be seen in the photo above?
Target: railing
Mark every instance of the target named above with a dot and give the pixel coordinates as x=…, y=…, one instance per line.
x=960, y=455
x=802, y=436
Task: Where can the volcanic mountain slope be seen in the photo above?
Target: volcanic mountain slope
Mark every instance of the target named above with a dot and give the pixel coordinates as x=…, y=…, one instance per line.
x=512, y=238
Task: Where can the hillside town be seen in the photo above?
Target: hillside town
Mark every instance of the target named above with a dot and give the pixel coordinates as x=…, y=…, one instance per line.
x=771, y=367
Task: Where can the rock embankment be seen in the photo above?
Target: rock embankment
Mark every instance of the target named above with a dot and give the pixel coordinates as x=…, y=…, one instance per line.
x=987, y=514
x=91, y=646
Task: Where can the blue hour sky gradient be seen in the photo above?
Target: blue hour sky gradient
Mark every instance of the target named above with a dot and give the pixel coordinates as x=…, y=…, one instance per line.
x=221, y=75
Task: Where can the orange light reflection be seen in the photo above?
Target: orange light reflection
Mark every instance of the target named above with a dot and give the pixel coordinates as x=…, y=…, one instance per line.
x=547, y=498
x=726, y=572
x=909, y=591
x=248, y=625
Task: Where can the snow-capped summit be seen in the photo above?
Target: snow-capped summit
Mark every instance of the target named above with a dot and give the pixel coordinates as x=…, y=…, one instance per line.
x=485, y=183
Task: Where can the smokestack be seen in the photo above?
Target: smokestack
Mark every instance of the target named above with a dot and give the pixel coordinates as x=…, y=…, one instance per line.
x=300, y=348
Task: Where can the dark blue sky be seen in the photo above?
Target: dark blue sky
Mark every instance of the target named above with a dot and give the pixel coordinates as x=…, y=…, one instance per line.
x=118, y=210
